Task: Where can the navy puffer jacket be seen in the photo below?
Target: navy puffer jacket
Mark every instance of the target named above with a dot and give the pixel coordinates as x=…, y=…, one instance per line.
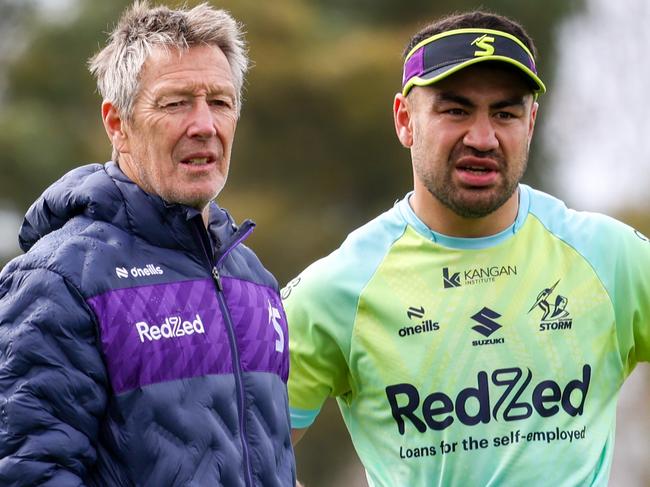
x=137, y=348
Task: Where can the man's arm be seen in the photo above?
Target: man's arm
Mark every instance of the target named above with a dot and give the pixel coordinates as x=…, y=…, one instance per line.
x=318, y=367
x=52, y=381
x=297, y=434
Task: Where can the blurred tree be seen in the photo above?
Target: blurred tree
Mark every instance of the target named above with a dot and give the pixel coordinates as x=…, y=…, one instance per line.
x=50, y=119
x=12, y=15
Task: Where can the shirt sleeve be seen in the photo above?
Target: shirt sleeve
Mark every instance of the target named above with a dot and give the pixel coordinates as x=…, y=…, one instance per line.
x=52, y=381
x=632, y=297
x=318, y=342
x=321, y=306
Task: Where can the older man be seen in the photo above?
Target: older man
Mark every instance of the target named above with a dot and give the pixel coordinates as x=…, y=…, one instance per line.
x=141, y=343
x=477, y=333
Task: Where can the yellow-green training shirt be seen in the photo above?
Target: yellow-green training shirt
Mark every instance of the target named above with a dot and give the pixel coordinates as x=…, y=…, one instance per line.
x=493, y=361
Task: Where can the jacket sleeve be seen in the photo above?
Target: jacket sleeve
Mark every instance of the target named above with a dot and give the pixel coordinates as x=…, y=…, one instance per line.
x=52, y=381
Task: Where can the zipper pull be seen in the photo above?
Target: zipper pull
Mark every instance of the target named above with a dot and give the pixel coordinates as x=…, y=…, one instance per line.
x=217, y=278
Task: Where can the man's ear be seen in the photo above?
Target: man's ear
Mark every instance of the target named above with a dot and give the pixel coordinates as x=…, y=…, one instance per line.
x=115, y=127
x=531, y=122
x=402, y=119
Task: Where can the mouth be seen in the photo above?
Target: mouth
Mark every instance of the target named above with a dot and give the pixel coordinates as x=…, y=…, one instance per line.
x=477, y=164
x=477, y=172
x=198, y=160
x=475, y=169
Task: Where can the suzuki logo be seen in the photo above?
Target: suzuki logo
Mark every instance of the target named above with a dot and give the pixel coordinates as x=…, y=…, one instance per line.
x=487, y=324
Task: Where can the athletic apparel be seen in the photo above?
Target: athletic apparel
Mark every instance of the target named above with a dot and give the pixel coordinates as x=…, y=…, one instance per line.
x=137, y=348
x=493, y=361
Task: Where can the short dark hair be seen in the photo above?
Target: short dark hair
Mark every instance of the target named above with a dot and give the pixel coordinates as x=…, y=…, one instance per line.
x=474, y=19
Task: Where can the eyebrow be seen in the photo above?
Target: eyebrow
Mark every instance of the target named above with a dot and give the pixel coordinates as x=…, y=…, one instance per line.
x=450, y=97
x=190, y=90
x=515, y=101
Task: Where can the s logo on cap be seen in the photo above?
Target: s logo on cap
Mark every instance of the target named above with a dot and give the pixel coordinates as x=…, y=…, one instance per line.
x=484, y=42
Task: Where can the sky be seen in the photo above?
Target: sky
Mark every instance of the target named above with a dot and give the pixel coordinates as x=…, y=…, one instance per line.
x=597, y=121
x=57, y=10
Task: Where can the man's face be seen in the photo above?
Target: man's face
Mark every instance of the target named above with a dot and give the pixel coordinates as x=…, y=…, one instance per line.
x=469, y=136
x=178, y=142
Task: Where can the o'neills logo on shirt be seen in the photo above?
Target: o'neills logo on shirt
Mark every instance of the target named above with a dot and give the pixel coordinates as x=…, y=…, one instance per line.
x=173, y=327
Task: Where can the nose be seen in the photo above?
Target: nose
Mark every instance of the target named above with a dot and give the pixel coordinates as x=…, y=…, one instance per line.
x=202, y=122
x=481, y=134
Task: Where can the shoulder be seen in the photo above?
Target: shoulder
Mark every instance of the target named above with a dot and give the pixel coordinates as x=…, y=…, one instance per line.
x=44, y=315
x=581, y=229
x=612, y=248
x=83, y=252
x=337, y=279
x=243, y=263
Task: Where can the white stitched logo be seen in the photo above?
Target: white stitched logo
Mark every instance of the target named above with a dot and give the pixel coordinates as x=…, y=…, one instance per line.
x=173, y=327
x=148, y=270
x=274, y=317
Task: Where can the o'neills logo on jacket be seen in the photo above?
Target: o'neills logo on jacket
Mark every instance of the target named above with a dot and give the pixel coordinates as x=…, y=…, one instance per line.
x=148, y=270
x=173, y=327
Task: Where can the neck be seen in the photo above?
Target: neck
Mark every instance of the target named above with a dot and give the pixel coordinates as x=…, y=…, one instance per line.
x=206, y=215
x=445, y=221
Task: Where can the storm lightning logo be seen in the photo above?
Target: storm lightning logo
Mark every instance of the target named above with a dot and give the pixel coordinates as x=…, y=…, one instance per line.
x=555, y=316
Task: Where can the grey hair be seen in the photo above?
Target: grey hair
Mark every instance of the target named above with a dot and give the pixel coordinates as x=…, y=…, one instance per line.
x=142, y=28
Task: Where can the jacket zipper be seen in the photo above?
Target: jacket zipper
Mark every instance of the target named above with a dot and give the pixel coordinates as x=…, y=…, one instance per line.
x=234, y=350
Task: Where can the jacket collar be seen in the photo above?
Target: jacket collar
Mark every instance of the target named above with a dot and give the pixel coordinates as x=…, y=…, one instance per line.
x=105, y=193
